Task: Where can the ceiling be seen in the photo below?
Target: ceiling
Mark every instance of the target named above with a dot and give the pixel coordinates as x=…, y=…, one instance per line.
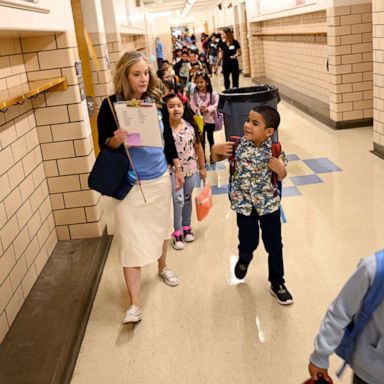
x=200, y=6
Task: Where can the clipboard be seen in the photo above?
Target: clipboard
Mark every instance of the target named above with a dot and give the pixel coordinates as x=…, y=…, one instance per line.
x=141, y=122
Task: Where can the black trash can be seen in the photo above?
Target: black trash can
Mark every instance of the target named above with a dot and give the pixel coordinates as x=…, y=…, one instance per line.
x=236, y=103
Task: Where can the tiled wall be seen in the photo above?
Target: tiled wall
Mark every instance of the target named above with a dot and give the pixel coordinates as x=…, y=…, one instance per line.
x=244, y=49
x=256, y=51
x=101, y=78
x=378, y=73
x=27, y=227
x=350, y=62
x=292, y=51
x=298, y=62
x=46, y=153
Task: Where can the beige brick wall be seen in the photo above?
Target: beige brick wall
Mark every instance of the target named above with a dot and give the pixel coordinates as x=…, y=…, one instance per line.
x=378, y=76
x=101, y=78
x=299, y=62
x=27, y=227
x=293, y=51
x=46, y=153
x=245, y=65
x=256, y=53
x=350, y=62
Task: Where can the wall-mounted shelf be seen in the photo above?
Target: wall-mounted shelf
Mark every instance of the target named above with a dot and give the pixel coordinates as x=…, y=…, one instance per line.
x=17, y=94
x=297, y=30
x=290, y=33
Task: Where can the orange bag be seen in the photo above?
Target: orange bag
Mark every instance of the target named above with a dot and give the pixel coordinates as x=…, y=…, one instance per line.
x=203, y=202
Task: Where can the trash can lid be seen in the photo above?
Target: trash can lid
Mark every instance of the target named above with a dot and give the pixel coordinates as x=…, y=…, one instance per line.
x=259, y=92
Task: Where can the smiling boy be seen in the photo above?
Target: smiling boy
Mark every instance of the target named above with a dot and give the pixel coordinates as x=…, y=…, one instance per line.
x=253, y=195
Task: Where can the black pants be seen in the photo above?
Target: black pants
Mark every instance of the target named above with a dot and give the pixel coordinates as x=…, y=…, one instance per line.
x=357, y=380
x=159, y=63
x=270, y=233
x=208, y=130
x=235, y=77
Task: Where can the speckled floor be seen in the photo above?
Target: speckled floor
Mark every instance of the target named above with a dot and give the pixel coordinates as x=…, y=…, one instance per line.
x=213, y=329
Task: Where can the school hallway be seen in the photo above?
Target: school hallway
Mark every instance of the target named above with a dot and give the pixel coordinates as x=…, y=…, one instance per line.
x=213, y=328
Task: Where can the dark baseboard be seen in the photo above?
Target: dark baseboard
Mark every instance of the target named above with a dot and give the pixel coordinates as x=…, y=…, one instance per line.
x=378, y=150
x=44, y=340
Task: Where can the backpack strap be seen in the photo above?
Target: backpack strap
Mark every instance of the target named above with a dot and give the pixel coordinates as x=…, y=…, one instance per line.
x=276, y=151
x=374, y=297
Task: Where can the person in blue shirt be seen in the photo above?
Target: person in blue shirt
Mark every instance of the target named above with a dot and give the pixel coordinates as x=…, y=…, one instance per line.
x=142, y=228
x=159, y=53
x=368, y=357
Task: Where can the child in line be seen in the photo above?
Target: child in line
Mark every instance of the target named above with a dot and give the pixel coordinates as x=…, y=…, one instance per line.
x=254, y=197
x=204, y=101
x=182, y=69
x=190, y=151
x=204, y=63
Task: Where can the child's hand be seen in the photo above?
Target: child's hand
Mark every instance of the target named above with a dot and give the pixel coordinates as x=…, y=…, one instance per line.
x=203, y=173
x=203, y=109
x=315, y=372
x=277, y=166
x=224, y=149
x=179, y=180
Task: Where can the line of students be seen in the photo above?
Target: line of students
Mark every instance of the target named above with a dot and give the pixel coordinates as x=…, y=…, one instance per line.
x=144, y=229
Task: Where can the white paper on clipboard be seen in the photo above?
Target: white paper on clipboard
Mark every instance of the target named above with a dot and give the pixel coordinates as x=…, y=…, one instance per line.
x=141, y=122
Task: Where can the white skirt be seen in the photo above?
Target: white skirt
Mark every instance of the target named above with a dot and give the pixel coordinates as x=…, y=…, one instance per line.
x=141, y=228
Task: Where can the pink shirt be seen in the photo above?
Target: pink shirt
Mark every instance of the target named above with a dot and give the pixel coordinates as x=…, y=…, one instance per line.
x=198, y=99
x=184, y=140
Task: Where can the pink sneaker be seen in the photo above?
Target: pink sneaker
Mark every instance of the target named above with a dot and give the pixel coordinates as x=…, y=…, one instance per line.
x=177, y=241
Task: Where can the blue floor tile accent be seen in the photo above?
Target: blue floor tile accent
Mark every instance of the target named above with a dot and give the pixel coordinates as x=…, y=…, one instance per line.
x=322, y=165
x=282, y=215
x=219, y=190
x=303, y=180
x=293, y=157
x=290, y=191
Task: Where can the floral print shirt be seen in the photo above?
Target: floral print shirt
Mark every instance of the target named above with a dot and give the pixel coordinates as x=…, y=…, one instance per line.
x=251, y=183
x=184, y=140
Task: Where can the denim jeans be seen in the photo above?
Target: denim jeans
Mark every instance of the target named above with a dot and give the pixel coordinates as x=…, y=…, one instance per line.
x=182, y=202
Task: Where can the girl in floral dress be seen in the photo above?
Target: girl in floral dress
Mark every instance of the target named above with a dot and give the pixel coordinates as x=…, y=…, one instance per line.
x=191, y=155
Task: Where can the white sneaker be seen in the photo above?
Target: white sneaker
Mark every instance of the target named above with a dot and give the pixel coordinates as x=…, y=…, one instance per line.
x=169, y=277
x=189, y=236
x=133, y=315
x=177, y=242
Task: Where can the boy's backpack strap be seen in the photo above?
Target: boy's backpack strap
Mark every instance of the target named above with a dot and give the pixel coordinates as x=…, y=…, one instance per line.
x=276, y=151
x=372, y=300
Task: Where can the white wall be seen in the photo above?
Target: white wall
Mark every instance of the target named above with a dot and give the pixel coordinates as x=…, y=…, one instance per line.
x=93, y=15
x=259, y=10
x=130, y=19
x=224, y=17
x=58, y=19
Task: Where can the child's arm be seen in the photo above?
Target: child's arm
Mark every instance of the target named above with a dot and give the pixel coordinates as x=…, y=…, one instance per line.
x=277, y=166
x=201, y=160
x=222, y=151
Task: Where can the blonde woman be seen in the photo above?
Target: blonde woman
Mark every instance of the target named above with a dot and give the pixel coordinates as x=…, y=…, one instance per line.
x=142, y=229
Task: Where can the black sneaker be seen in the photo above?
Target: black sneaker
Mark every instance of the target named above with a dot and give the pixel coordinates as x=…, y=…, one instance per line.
x=241, y=269
x=281, y=294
